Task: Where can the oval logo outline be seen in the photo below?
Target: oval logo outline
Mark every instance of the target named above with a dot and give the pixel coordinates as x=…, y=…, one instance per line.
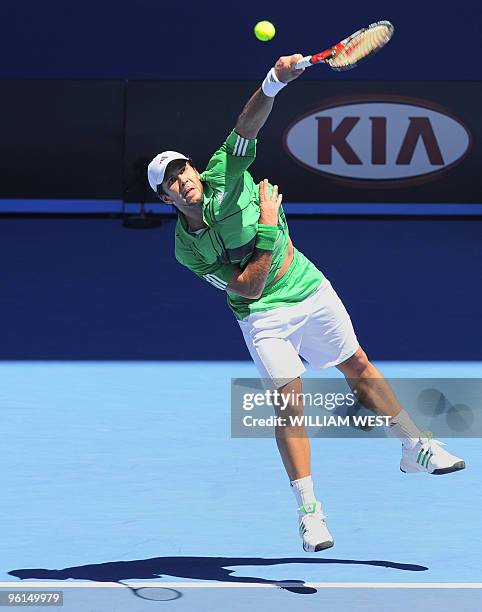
x=402, y=105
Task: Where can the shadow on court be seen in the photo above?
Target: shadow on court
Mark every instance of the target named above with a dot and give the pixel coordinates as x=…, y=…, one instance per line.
x=195, y=568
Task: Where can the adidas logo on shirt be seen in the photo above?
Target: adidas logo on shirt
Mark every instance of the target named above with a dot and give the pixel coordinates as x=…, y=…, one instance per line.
x=221, y=195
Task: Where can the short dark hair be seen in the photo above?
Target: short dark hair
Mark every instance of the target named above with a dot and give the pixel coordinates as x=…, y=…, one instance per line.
x=160, y=191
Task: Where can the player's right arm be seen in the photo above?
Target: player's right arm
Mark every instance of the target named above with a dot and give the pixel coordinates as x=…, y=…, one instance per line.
x=250, y=281
x=226, y=167
x=257, y=109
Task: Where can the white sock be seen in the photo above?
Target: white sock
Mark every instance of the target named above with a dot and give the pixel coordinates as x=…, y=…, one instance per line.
x=402, y=427
x=303, y=491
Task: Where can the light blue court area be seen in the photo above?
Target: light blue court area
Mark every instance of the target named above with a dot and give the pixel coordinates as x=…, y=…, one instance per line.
x=127, y=472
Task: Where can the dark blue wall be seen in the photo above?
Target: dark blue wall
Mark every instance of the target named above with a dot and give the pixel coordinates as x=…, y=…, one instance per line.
x=91, y=139
x=90, y=289
x=154, y=39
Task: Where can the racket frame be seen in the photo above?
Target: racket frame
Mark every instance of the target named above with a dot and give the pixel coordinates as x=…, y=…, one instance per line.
x=324, y=57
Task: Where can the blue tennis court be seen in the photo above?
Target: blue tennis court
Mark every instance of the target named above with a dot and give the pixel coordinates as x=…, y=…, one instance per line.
x=127, y=473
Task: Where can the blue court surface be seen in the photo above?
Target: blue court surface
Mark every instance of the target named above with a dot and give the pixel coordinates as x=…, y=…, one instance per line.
x=126, y=472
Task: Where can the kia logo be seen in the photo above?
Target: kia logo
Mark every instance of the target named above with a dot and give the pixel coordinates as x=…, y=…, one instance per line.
x=378, y=140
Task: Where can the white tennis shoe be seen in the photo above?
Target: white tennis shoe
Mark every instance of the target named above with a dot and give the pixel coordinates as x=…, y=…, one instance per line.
x=313, y=529
x=429, y=456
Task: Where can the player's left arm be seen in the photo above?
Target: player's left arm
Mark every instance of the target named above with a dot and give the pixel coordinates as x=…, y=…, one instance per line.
x=257, y=109
x=250, y=282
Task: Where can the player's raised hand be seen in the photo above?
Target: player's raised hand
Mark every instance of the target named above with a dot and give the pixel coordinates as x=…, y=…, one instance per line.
x=285, y=67
x=269, y=204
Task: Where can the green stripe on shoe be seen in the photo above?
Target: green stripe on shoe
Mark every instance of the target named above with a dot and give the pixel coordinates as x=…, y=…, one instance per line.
x=424, y=457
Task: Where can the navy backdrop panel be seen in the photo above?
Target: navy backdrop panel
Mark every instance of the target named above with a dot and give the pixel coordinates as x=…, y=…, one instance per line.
x=157, y=39
x=93, y=139
x=190, y=117
x=90, y=289
x=194, y=118
x=61, y=139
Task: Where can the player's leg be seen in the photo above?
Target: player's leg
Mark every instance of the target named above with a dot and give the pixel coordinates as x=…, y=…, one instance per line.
x=419, y=454
x=373, y=391
x=291, y=439
x=280, y=366
x=329, y=340
x=294, y=448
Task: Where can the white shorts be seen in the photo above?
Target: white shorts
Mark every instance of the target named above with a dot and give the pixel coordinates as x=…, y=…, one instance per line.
x=318, y=329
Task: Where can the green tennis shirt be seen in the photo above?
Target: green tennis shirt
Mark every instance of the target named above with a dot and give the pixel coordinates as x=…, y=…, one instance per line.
x=231, y=213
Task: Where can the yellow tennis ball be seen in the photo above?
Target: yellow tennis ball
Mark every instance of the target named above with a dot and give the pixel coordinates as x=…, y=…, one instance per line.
x=264, y=30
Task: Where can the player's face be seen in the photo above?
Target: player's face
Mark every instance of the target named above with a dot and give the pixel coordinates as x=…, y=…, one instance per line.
x=182, y=185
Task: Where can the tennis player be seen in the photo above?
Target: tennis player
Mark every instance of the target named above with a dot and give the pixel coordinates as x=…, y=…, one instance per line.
x=234, y=234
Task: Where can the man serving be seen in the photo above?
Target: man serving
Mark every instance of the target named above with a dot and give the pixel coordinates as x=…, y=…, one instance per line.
x=234, y=235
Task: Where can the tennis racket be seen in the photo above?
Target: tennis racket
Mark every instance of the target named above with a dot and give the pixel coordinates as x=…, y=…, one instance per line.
x=348, y=52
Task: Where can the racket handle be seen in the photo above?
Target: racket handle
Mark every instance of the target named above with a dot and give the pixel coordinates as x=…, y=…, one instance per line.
x=305, y=62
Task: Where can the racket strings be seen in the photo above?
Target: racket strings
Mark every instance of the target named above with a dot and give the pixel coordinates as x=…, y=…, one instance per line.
x=361, y=45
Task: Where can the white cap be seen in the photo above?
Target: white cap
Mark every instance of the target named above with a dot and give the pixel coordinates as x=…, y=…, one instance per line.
x=157, y=167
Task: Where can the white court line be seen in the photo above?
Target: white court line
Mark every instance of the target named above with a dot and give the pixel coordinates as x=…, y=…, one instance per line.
x=243, y=585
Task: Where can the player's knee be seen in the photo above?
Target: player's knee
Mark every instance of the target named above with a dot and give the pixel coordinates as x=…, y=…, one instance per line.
x=290, y=406
x=292, y=412
x=355, y=365
x=290, y=400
